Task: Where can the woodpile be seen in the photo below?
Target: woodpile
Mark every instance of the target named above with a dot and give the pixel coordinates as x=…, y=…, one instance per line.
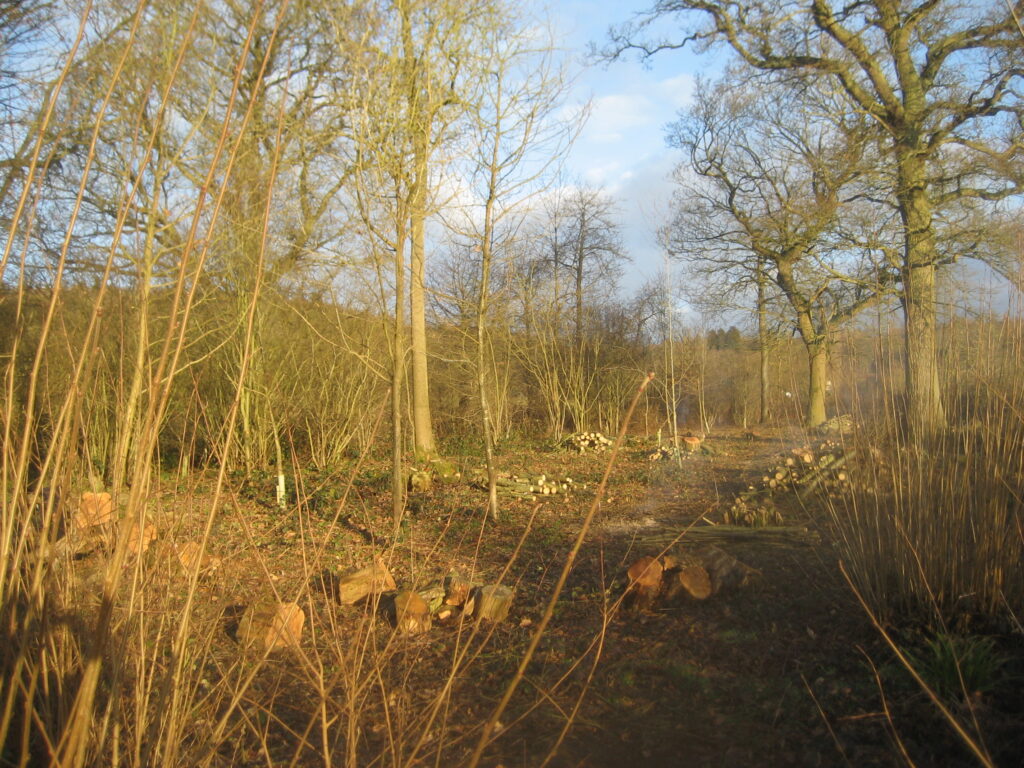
x=528, y=488
x=802, y=470
x=682, y=574
x=413, y=611
x=583, y=442
x=662, y=453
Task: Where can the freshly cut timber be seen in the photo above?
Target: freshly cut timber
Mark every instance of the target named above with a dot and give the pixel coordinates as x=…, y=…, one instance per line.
x=456, y=589
x=691, y=443
x=139, y=538
x=271, y=625
x=371, y=580
x=493, y=602
x=725, y=570
x=94, y=509
x=690, y=580
x=581, y=442
x=412, y=614
x=191, y=556
x=644, y=584
x=529, y=488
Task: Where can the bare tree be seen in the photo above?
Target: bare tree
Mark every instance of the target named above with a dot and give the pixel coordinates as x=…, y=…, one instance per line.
x=940, y=82
x=770, y=191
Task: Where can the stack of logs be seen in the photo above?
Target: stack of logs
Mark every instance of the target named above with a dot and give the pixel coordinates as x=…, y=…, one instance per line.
x=529, y=488
x=678, y=574
x=413, y=611
x=802, y=470
x=581, y=442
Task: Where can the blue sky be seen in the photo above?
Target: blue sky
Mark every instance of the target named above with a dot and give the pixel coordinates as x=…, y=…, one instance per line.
x=622, y=147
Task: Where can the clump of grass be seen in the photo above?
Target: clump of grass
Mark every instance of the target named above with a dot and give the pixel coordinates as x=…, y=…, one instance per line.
x=958, y=666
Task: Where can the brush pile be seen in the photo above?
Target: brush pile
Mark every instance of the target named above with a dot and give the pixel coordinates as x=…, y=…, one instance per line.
x=528, y=488
x=802, y=470
x=582, y=442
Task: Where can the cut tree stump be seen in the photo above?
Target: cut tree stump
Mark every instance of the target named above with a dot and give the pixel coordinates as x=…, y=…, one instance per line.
x=493, y=602
x=644, y=584
x=94, y=509
x=412, y=614
x=268, y=626
x=691, y=444
x=371, y=580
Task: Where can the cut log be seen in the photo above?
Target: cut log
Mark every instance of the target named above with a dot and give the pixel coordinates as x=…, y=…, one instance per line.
x=690, y=580
x=724, y=570
x=691, y=444
x=493, y=602
x=268, y=626
x=644, y=584
x=456, y=589
x=190, y=556
x=433, y=596
x=412, y=614
x=139, y=539
x=371, y=580
x=94, y=509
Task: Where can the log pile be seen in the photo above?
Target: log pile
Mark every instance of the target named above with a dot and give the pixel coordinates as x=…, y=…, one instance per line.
x=528, y=488
x=582, y=442
x=414, y=611
x=680, y=575
x=802, y=470
x=662, y=453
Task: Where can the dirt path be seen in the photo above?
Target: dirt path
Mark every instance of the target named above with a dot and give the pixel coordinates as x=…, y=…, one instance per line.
x=728, y=681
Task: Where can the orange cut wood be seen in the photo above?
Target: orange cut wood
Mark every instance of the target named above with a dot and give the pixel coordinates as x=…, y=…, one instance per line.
x=644, y=583
x=412, y=614
x=493, y=602
x=371, y=580
x=695, y=581
x=140, y=539
x=691, y=443
x=94, y=509
x=270, y=626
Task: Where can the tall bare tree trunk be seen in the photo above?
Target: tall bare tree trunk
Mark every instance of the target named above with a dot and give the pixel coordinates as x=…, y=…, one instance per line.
x=398, y=377
x=815, y=343
x=764, y=412
x=924, y=397
x=423, y=431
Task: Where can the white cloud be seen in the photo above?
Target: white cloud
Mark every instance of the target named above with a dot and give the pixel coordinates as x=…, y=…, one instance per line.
x=677, y=92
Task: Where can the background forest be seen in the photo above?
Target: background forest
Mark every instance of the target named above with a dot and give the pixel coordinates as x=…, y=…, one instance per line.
x=251, y=245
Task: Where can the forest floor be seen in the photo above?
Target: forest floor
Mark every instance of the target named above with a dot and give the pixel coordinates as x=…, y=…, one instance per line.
x=786, y=670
